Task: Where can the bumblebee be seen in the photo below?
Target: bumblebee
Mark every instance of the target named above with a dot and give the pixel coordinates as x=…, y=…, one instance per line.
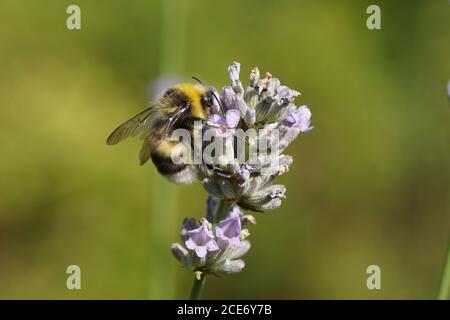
x=177, y=108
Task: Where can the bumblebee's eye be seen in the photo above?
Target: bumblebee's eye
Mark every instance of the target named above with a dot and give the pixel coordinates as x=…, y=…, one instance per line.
x=207, y=100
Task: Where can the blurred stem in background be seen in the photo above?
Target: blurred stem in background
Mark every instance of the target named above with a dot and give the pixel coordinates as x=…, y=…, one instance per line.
x=173, y=36
x=163, y=217
x=445, y=282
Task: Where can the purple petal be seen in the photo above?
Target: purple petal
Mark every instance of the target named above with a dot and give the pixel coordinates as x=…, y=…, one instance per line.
x=299, y=118
x=200, y=238
x=229, y=228
x=236, y=211
x=219, y=232
x=201, y=235
x=291, y=119
x=190, y=244
x=216, y=120
x=212, y=246
x=304, y=117
x=200, y=251
x=232, y=118
x=240, y=250
x=235, y=241
x=223, y=244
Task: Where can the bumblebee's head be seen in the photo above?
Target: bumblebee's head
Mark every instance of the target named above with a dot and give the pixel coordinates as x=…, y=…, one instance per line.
x=198, y=98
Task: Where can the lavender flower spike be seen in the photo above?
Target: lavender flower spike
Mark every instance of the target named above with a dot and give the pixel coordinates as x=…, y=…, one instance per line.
x=201, y=240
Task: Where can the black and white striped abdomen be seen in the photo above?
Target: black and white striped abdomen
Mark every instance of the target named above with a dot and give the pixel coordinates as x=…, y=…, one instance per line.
x=167, y=158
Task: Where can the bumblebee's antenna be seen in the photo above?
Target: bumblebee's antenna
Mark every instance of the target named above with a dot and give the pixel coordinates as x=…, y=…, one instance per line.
x=197, y=79
x=217, y=99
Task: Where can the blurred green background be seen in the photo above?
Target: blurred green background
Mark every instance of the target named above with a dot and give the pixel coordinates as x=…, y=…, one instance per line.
x=369, y=185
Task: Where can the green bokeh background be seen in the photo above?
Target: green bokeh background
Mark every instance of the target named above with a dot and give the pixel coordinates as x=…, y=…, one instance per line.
x=369, y=185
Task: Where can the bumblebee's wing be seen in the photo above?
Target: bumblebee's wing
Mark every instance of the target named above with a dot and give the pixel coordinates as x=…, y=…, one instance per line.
x=143, y=122
x=151, y=142
x=161, y=132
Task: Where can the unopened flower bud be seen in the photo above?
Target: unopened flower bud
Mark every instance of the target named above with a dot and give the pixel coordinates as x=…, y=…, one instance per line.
x=244, y=234
x=254, y=77
x=248, y=219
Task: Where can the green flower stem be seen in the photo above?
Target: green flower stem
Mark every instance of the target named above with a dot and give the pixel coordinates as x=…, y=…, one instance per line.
x=445, y=282
x=197, y=287
x=222, y=210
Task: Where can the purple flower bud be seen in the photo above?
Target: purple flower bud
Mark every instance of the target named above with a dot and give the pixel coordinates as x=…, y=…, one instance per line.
x=227, y=98
x=229, y=267
x=233, y=71
x=228, y=230
x=239, y=104
x=232, y=118
x=245, y=171
x=182, y=255
x=287, y=94
x=240, y=250
x=201, y=240
x=254, y=77
x=250, y=116
x=211, y=204
x=248, y=219
x=299, y=118
x=264, y=199
x=187, y=225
